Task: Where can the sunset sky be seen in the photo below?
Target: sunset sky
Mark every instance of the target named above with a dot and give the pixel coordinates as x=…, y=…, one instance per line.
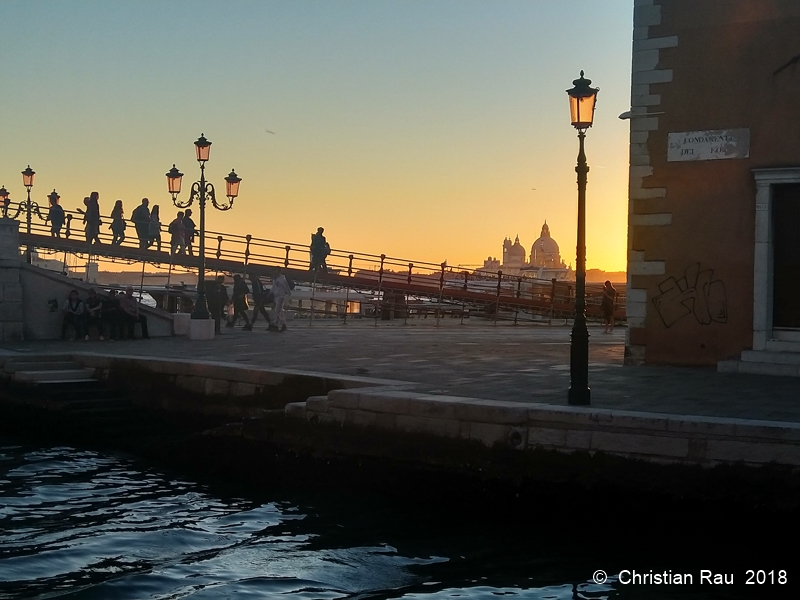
x=413, y=128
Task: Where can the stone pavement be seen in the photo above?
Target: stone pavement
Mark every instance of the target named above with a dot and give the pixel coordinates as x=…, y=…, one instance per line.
x=525, y=363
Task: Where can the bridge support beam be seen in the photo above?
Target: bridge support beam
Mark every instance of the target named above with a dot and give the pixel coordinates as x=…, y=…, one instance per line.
x=11, y=319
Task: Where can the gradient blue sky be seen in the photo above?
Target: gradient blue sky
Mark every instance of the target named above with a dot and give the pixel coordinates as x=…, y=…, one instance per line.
x=413, y=128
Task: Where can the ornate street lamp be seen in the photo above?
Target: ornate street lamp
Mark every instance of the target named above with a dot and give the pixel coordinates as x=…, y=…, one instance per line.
x=582, y=100
x=200, y=191
x=29, y=206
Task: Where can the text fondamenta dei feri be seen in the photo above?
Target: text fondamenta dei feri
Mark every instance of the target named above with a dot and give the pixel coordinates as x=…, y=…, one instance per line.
x=708, y=145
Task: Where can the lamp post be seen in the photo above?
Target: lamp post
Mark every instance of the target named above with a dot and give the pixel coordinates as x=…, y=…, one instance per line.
x=201, y=190
x=5, y=201
x=582, y=99
x=27, y=181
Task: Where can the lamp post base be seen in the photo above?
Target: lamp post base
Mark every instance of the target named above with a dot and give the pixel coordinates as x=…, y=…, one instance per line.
x=579, y=392
x=579, y=396
x=200, y=310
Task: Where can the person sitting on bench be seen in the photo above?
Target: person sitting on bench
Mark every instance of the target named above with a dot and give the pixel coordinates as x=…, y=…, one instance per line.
x=129, y=307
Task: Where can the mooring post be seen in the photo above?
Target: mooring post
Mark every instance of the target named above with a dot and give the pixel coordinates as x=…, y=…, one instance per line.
x=497, y=306
x=464, y=297
x=519, y=293
x=441, y=292
x=347, y=289
x=408, y=281
x=380, y=284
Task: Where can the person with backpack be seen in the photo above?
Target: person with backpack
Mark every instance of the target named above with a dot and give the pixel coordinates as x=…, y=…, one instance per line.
x=320, y=249
x=141, y=220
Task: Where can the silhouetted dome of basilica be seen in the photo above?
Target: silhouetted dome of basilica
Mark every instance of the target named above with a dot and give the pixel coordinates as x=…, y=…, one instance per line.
x=545, y=251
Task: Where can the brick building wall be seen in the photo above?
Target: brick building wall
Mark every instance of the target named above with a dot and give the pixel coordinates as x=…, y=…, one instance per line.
x=717, y=75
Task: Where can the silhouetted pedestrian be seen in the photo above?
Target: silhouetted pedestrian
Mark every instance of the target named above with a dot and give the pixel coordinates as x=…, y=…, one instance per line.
x=177, y=233
x=154, y=232
x=118, y=224
x=189, y=230
x=141, y=220
x=320, y=249
x=260, y=300
x=607, y=306
x=216, y=298
x=91, y=218
x=55, y=215
x=239, y=301
x=281, y=289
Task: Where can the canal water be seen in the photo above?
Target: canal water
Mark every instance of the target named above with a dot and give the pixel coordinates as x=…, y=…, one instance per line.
x=81, y=524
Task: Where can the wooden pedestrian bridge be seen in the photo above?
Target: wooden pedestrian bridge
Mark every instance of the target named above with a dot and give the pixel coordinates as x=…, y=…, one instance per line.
x=392, y=283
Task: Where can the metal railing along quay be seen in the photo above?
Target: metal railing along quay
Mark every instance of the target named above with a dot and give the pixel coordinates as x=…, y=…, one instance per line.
x=394, y=286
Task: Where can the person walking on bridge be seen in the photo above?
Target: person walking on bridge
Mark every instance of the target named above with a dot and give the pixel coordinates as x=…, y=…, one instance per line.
x=55, y=215
x=91, y=218
x=189, y=231
x=118, y=224
x=178, y=233
x=320, y=249
x=154, y=231
x=141, y=220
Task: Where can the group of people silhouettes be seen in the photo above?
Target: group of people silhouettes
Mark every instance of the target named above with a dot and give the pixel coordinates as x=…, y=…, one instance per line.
x=237, y=304
x=120, y=312
x=146, y=221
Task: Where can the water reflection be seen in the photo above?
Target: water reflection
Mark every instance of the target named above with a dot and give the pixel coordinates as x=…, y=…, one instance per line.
x=82, y=524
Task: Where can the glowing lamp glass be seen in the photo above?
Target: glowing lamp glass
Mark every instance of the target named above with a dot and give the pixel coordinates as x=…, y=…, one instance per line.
x=203, y=148
x=232, y=182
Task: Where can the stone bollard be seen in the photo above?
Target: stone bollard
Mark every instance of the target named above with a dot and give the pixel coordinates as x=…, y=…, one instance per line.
x=11, y=307
x=180, y=323
x=201, y=329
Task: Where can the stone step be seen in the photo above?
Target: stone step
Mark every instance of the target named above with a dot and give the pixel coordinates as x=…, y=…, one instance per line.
x=50, y=365
x=775, y=358
x=782, y=346
x=60, y=375
x=758, y=368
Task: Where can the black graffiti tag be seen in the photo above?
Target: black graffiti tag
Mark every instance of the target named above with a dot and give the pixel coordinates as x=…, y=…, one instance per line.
x=695, y=293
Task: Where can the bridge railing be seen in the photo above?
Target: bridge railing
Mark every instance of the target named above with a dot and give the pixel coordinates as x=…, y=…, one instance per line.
x=450, y=290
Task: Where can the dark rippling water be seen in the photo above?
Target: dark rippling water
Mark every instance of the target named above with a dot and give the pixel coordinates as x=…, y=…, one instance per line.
x=82, y=524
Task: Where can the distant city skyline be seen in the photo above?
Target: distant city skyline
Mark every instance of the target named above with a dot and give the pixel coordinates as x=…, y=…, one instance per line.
x=421, y=129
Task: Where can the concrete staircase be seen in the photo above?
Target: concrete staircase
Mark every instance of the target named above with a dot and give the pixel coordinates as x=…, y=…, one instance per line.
x=781, y=358
x=59, y=384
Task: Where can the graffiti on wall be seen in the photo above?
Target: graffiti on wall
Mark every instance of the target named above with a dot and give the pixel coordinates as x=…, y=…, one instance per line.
x=696, y=293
